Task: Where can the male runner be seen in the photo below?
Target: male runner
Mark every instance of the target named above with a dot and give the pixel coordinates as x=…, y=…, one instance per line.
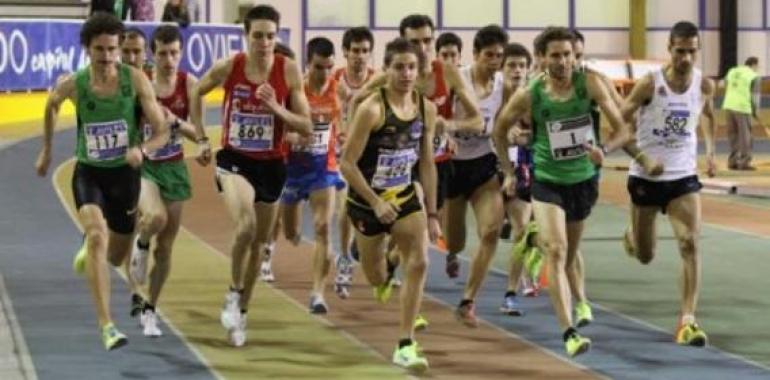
x=663, y=176
x=263, y=100
x=391, y=132
x=109, y=151
x=449, y=48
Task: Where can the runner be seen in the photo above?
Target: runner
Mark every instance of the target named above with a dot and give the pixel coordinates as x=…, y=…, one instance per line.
x=566, y=157
x=312, y=166
x=476, y=181
x=259, y=86
x=663, y=176
x=391, y=132
x=449, y=48
x=109, y=151
x=165, y=180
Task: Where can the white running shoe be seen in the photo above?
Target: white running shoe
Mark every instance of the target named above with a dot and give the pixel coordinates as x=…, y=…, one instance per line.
x=266, y=269
x=150, y=323
x=237, y=334
x=344, y=278
x=138, y=264
x=231, y=311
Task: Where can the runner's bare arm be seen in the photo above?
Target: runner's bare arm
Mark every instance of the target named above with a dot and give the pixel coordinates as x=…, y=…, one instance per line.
x=152, y=112
x=472, y=122
x=376, y=81
x=368, y=116
x=297, y=119
x=640, y=94
x=428, y=175
x=212, y=79
x=597, y=90
x=64, y=89
x=709, y=127
x=511, y=114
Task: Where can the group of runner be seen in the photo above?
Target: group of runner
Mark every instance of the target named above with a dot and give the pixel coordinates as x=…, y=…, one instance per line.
x=399, y=152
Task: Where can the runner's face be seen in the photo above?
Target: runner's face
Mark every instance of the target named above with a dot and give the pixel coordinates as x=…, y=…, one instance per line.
x=490, y=57
x=103, y=50
x=515, y=69
x=403, y=71
x=449, y=54
x=132, y=52
x=358, y=55
x=579, y=52
x=422, y=38
x=167, y=56
x=559, y=59
x=320, y=68
x=684, y=52
x=262, y=37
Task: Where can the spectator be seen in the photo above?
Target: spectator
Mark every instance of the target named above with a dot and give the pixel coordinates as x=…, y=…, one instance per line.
x=141, y=10
x=194, y=10
x=176, y=11
x=742, y=89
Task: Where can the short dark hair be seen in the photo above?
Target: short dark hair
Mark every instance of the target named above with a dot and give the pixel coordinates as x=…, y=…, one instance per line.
x=414, y=21
x=517, y=50
x=552, y=33
x=683, y=29
x=100, y=23
x=357, y=34
x=751, y=61
x=579, y=36
x=284, y=50
x=401, y=45
x=320, y=46
x=131, y=33
x=165, y=34
x=261, y=12
x=449, y=38
x=488, y=36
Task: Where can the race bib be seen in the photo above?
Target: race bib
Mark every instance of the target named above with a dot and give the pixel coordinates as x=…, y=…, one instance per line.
x=106, y=140
x=394, y=169
x=569, y=136
x=319, y=145
x=675, y=129
x=172, y=148
x=251, y=132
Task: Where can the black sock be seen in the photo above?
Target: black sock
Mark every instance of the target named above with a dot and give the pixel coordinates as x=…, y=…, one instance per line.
x=136, y=299
x=239, y=291
x=149, y=306
x=465, y=302
x=510, y=293
x=404, y=342
x=143, y=246
x=244, y=311
x=568, y=333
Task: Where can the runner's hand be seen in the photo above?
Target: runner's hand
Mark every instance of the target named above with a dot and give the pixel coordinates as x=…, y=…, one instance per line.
x=43, y=162
x=711, y=165
x=204, y=153
x=386, y=212
x=595, y=154
x=134, y=157
x=509, y=185
x=520, y=136
x=266, y=95
x=434, y=228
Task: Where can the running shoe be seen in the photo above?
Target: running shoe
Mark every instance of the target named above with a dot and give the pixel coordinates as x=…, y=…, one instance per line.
x=511, y=307
x=452, y=265
x=317, y=305
x=344, y=277
x=266, y=268
x=237, y=334
x=466, y=314
x=112, y=338
x=409, y=357
x=691, y=335
x=150, y=324
x=231, y=311
x=138, y=264
x=420, y=323
x=583, y=314
x=137, y=305
x=577, y=344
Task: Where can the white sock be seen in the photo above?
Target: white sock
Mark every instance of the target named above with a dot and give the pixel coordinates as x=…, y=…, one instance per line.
x=687, y=319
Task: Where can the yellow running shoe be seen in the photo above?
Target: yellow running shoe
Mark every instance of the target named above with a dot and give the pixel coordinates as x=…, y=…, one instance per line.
x=691, y=335
x=522, y=246
x=533, y=262
x=79, y=262
x=577, y=345
x=112, y=338
x=420, y=323
x=583, y=314
x=409, y=357
x=382, y=292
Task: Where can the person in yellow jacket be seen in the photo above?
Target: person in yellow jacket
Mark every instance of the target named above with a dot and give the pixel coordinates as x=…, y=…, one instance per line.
x=741, y=93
